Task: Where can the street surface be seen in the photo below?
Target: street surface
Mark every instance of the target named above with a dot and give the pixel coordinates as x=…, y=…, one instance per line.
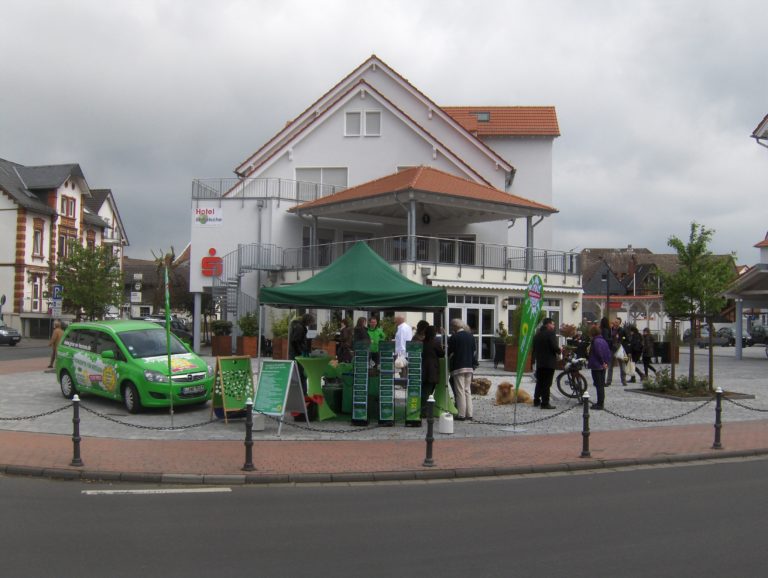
x=702, y=520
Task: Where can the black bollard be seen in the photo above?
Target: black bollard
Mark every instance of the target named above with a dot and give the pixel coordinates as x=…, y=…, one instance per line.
x=76, y=461
x=428, y=461
x=248, y=465
x=718, y=423
x=585, y=427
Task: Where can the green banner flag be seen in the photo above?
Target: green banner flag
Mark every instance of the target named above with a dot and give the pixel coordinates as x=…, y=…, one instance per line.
x=531, y=310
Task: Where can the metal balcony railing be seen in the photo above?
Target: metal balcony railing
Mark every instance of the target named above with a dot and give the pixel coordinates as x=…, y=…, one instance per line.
x=260, y=188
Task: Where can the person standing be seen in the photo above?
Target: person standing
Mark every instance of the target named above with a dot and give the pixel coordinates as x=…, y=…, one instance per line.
x=431, y=353
x=618, y=343
x=344, y=354
x=403, y=334
x=55, y=340
x=648, y=347
x=635, y=351
x=375, y=335
x=598, y=360
x=298, y=345
x=462, y=351
x=545, y=352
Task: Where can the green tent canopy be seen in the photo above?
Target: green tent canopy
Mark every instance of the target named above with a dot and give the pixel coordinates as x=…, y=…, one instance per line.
x=360, y=279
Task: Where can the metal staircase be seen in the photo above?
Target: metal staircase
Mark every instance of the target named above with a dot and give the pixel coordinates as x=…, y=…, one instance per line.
x=227, y=290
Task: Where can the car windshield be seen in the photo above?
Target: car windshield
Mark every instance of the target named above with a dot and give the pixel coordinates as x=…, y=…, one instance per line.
x=150, y=343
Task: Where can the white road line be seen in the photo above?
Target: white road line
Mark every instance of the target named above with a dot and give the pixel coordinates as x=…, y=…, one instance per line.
x=149, y=492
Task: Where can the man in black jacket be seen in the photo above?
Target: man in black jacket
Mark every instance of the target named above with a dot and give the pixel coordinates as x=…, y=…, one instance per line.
x=462, y=352
x=545, y=352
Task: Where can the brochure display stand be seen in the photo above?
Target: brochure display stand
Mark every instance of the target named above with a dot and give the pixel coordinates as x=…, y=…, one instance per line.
x=360, y=385
x=387, y=383
x=413, y=388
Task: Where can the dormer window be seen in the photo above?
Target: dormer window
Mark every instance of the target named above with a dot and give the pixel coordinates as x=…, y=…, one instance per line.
x=483, y=116
x=68, y=206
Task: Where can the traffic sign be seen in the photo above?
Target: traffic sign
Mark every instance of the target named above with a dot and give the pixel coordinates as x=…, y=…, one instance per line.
x=58, y=292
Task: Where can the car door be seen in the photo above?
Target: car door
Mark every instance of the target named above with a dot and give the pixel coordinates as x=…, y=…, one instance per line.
x=112, y=367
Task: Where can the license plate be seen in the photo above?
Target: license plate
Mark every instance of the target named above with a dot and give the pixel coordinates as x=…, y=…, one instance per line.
x=193, y=390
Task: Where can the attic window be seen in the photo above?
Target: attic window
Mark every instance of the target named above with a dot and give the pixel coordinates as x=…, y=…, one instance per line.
x=483, y=116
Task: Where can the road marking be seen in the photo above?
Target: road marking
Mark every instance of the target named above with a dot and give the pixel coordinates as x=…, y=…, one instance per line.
x=149, y=492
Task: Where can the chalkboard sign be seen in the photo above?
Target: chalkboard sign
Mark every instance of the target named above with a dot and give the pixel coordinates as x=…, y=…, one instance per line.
x=232, y=385
x=387, y=383
x=413, y=390
x=279, y=391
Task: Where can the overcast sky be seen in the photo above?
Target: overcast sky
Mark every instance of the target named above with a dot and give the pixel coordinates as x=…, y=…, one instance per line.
x=656, y=99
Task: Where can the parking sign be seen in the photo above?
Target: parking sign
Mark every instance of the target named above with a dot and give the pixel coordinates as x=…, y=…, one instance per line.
x=58, y=292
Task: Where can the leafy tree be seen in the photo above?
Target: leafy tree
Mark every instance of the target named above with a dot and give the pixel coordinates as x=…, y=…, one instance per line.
x=92, y=280
x=694, y=292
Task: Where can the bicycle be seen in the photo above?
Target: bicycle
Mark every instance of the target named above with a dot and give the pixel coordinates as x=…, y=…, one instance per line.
x=571, y=382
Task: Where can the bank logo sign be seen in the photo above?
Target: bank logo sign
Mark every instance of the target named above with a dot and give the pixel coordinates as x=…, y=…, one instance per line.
x=207, y=217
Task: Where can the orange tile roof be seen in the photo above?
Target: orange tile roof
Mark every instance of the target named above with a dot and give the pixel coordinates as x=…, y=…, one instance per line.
x=428, y=180
x=507, y=120
x=763, y=243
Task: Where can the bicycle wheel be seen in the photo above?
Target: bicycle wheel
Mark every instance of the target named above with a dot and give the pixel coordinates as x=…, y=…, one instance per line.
x=571, y=385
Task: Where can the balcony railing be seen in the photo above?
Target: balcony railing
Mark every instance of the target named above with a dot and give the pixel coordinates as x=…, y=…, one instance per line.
x=436, y=252
x=260, y=188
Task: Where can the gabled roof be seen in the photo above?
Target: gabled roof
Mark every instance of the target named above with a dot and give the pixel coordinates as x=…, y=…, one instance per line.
x=321, y=105
x=430, y=186
x=761, y=130
x=507, y=120
x=284, y=144
x=97, y=200
x=23, y=184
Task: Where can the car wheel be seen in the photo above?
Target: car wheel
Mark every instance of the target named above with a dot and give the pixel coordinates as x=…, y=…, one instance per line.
x=131, y=399
x=66, y=384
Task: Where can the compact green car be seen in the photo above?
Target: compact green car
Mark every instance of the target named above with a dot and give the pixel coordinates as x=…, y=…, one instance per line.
x=128, y=361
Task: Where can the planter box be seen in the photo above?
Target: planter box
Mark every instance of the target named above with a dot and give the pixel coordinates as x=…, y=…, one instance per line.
x=280, y=348
x=248, y=346
x=328, y=346
x=510, y=360
x=221, y=345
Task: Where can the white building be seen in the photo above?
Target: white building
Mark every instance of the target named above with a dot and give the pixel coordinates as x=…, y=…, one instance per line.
x=451, y=196
x=42, y=208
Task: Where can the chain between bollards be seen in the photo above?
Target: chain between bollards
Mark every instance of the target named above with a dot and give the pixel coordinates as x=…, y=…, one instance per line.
x=428, y=461
x=718, y=423
x=248, y=465
x=585, y=427
x=76, y=461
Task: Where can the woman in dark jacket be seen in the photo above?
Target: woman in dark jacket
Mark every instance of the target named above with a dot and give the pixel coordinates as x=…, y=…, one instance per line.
x=431, y=354
x=344, y=353
x=598, y=360
x=636, y=351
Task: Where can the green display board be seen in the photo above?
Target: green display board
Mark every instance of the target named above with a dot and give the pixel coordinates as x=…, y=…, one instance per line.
x=232, y=385
x=413, y=389
x=386, y=383
x=360, y=385
x=279, y=391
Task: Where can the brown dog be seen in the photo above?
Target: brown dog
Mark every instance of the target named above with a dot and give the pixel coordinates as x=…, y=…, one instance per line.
x=480, y=386
x=505, y=394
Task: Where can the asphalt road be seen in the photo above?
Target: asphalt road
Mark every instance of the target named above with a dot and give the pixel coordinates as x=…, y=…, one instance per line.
x=26, y=349
x=696, y=520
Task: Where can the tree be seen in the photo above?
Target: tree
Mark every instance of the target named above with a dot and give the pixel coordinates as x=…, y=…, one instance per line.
x=91, y=279
x=695, y=291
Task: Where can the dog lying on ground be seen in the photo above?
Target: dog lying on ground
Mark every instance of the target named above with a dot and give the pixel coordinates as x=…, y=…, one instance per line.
x=505, y=394
x=480, y=386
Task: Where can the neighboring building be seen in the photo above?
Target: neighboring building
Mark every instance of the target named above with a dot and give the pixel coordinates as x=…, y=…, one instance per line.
x=760, y=134
x=144, y=289
x=42, y=209
x=450, y=196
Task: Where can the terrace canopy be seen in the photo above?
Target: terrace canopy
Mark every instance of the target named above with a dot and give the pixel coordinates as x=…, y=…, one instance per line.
x=360, y=279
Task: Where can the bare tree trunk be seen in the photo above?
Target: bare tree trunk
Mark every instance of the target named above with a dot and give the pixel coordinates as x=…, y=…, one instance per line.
x=692, y=350
x=673, y=351
x=711, y=355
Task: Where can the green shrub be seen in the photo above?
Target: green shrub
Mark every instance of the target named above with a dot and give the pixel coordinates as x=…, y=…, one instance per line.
x=221, y=327
x=249, y=324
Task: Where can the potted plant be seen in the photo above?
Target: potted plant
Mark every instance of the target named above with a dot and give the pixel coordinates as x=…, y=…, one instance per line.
x=500, y=344
x=513, y=343
x=326, y=337
x=280, y=336
x=248, y=342
x=221, y=343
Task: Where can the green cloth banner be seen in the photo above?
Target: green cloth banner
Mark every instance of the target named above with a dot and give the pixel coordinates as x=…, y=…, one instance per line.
x=531, y=309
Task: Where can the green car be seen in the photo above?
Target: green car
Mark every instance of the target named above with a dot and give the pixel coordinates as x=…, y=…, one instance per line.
x=128, y=361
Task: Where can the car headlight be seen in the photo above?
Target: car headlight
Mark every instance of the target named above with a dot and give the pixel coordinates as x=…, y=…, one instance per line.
x=4, y=332
x=155, y=376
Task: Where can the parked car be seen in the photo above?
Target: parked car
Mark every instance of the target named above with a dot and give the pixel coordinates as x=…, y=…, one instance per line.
x=759, y=334
x=730, y=334
x=703, y=338
x=9, y=336
x=128, y=361
x=178, y=327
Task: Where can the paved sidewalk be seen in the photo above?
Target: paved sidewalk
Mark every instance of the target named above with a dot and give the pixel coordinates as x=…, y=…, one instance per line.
x=398, y=457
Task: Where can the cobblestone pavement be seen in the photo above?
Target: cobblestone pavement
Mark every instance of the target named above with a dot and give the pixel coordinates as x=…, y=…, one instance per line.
x=636, y=428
